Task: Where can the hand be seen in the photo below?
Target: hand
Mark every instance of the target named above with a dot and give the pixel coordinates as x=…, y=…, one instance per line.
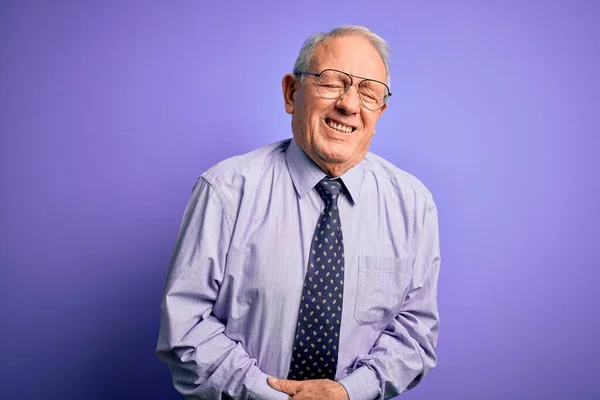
x=310, y=390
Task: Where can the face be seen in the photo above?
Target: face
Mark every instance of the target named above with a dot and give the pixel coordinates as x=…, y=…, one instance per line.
x=315, y=119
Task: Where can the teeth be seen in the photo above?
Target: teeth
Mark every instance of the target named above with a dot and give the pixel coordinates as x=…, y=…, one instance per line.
x=340, y=127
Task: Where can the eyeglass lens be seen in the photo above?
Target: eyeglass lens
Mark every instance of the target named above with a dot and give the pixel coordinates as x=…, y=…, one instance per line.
x=333, y=84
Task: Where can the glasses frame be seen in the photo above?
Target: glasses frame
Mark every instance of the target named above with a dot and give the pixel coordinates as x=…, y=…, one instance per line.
x=318, y=75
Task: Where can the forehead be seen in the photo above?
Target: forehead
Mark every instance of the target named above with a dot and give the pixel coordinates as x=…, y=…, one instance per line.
x=353, y=54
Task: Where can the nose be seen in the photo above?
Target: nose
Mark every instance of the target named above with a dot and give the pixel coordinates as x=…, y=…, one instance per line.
x=349, y=102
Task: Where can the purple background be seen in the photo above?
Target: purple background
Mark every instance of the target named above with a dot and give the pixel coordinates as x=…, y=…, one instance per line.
x=110, y=111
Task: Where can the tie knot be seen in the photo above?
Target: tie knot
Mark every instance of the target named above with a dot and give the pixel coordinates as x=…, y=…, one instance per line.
x=329, y=189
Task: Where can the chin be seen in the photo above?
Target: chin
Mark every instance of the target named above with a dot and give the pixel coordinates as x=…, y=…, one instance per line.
x=334, y=156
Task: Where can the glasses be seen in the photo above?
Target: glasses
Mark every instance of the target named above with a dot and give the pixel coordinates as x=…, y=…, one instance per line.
x=332, y=84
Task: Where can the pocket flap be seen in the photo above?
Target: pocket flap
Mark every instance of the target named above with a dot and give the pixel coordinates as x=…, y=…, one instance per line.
x=385, y=264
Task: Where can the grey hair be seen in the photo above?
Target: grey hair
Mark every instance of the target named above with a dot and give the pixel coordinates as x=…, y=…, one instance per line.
x=307, y=52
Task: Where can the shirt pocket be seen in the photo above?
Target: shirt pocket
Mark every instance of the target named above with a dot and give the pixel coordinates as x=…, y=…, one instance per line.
x=382, y=284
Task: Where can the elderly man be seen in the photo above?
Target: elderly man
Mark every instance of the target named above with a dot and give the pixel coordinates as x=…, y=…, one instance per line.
x=308, y=268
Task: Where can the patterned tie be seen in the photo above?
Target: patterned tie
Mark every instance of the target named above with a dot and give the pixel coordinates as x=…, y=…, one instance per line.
x=317, y=333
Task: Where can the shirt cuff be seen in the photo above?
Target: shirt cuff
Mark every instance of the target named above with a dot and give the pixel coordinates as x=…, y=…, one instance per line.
x=361, y=384
x=262, y=390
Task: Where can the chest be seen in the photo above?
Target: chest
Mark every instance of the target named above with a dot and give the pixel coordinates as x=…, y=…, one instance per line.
x=271, y=243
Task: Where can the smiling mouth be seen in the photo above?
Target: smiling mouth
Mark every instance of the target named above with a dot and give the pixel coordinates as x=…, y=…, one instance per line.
x=339, y=127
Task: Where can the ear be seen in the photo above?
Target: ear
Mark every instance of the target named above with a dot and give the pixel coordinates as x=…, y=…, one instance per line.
x=289, y=84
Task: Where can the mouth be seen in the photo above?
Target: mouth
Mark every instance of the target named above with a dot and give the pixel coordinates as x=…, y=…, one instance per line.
x=338, y=126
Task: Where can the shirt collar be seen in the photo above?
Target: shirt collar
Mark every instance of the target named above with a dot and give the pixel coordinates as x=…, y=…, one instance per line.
x=306, y=174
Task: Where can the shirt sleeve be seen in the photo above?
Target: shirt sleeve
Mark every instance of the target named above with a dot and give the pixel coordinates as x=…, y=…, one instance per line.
x=204, y=362
x=404, y=353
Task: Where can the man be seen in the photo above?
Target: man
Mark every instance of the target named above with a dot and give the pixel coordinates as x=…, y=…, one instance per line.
x=308, y=268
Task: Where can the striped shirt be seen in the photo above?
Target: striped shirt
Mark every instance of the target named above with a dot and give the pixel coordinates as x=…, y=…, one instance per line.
x=231, y=299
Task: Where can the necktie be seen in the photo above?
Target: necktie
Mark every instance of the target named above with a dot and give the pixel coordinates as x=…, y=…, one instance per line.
x=317, y=332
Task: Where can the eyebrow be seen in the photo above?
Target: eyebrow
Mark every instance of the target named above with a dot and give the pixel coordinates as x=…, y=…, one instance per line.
x=355, y=76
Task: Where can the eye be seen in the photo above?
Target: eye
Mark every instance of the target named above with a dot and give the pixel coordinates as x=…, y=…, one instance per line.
x=369, y=95
x=372, y=91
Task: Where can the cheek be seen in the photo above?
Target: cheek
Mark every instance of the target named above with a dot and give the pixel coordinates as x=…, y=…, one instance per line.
x=369, y=121
x=313, y=121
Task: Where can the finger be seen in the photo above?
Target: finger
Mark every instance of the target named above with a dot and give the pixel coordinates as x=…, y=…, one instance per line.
x=283, y=385
x=273, y=382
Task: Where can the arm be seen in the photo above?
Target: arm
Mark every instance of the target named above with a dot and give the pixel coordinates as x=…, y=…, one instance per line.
x=204, y=362
x=404, y=353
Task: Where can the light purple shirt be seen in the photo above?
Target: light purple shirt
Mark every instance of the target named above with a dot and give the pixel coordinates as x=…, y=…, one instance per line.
x=230, y=306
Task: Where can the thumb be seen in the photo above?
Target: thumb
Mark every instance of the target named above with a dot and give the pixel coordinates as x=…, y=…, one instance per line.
x=283, y=385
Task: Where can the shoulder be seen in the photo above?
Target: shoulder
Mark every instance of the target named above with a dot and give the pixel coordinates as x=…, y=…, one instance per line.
x=249, y=163
x=387, y=173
